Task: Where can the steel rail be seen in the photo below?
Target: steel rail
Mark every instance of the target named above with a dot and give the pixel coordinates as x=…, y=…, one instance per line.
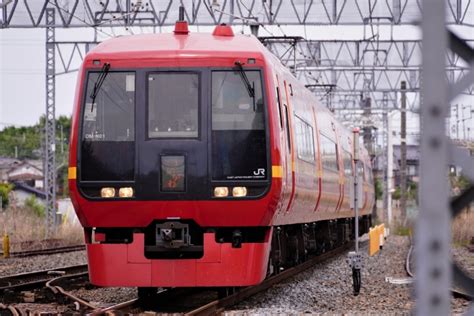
x=56, y=288
x=10, y=308
x=408, y=262
x=115, y=307
x=36, y=279
x=455, y=290
x=46, y=251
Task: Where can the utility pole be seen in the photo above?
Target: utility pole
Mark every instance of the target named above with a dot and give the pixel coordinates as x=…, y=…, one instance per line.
x=354, y=258
x=403, y=154
x=389, y=169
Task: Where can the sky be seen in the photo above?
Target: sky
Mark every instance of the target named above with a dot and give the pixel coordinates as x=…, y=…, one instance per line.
x=22, y=68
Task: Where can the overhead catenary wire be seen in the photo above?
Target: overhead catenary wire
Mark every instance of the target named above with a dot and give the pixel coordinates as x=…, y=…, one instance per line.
x=79, y=19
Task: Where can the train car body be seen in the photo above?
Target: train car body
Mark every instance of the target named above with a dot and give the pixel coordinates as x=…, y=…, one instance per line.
x=191, y=153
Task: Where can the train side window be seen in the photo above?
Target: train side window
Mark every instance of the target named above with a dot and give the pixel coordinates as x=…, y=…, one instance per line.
x=368, y=174
x=328, y=153
x=280, y=114
x=362, y=170
x=304, y=140
x=347, y=161
x=287, y=126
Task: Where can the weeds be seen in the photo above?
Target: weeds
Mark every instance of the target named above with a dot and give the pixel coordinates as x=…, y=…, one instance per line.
x=463, y=227
x=27, y=231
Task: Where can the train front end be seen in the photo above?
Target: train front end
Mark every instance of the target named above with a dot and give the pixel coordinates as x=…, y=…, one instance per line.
x=170, y=163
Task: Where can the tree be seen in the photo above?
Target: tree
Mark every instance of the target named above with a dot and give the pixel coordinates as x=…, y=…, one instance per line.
x=25, y=142
x=5, y=189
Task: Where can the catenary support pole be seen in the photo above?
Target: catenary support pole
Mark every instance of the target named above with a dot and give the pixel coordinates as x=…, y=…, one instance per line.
x=389, y=168
x=403, y=154
x=433, y=229
x=354, y=258
x=50, y=124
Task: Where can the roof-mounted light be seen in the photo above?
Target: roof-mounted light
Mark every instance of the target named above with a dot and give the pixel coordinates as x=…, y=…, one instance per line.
x=223, y=30
x=181, y=26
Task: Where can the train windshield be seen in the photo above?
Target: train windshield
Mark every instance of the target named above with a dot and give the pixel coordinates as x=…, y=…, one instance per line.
x=108, y=127
x=238, y=127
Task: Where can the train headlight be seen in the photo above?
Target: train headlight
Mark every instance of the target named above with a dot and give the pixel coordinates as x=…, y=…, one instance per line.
x=221, y=191
x=107, y=192
x=239, y=191
x=126, y=192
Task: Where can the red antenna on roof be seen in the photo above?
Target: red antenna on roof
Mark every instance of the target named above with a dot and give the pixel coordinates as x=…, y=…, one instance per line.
x=181, y=26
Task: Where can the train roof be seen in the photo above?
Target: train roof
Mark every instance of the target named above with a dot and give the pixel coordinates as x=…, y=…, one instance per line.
x=203, y=44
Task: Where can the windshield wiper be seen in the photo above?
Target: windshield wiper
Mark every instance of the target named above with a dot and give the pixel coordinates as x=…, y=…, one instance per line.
x=103, y=73
x=243, y=75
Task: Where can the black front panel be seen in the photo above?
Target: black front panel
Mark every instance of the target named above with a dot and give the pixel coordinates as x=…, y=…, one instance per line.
x=100, y=162
x=173, y=134
x=172, y=146
x=238, y=155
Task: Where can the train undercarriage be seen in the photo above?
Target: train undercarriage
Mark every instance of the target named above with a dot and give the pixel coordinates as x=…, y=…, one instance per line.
x=292, y=244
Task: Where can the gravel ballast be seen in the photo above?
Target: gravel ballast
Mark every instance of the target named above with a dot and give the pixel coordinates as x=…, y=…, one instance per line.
x=327, y=288
x=29, y=264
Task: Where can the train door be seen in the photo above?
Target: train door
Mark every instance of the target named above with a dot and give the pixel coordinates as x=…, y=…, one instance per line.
x=339, y=158
x=290, y=159
x=330, y=167
x=285, y=145
x=347, y=171
x=172, y=138
x=317, y=145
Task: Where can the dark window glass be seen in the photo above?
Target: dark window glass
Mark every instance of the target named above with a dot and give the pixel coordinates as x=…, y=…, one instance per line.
x=238, y=127
x=304, y=140
x=173, y=103
x=108, y=129
x=328, y=153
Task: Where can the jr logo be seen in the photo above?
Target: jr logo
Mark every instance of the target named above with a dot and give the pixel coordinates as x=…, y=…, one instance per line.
x=259, y=172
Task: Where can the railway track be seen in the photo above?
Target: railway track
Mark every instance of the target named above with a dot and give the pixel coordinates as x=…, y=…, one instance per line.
x=46, y=251
x=187, y=301
x=36, y=279
x=220, y=305
x=456, y=290
x=214, y=306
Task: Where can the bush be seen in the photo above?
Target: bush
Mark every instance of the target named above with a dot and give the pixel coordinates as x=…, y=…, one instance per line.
x=33, y=204
x=463, y=227
x=412, y=193
x=5, y=189
x=397, y=194
x=378, y=189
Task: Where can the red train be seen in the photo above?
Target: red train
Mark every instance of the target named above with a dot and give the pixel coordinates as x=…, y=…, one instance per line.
x=199, y=160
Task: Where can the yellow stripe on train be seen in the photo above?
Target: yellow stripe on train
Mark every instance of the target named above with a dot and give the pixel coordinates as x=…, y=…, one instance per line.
x=277, y=171
x=71, y=173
